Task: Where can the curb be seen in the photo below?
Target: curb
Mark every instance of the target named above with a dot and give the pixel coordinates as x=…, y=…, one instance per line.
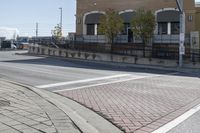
x=124, y=65
x=86, y=120
x=7, y=50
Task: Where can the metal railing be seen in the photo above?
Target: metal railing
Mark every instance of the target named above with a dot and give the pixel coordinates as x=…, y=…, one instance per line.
x=170, y=39
x=164, y=50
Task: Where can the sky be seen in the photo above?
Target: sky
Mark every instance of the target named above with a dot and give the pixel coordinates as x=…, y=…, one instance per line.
x=24, y=14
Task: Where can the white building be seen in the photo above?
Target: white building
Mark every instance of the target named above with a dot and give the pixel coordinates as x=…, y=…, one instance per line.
x=9, y=33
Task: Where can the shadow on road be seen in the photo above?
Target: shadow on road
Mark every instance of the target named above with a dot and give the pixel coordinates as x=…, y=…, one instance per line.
x=76, y=63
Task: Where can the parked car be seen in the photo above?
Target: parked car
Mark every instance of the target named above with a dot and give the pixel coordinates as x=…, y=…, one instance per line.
x=23, y=45
x=8, y=44
x=13, y=46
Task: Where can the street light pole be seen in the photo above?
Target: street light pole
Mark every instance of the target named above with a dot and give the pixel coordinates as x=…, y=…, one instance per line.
x=182, y=31
x=36, y=31
x=61, y=16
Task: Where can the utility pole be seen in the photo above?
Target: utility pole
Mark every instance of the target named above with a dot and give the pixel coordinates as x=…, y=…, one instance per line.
x=61, y=16
x=36, y=32
x=180, y=5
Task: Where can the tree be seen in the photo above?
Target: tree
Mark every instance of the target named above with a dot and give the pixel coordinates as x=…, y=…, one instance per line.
x=111, y=24
x=57, y=33
x=143, y=25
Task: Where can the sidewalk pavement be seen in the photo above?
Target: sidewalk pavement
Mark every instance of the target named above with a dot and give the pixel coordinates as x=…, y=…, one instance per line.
x=24, y=109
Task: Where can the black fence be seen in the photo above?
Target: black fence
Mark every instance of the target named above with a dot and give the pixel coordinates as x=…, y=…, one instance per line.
x=164, y=50
x=121, y=39
x=48, y=41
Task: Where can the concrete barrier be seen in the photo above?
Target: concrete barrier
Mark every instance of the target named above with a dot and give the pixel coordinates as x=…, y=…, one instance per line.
x=41, y=50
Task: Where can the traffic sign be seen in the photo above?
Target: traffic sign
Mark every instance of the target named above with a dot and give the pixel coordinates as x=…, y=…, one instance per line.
x=182, y=50
x=182, y=38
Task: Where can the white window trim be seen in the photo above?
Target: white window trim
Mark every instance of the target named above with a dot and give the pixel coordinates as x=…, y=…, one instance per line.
x=84, y=17
x=95, y=29
x=169, y=28
x=161, y=10
x=128, y=10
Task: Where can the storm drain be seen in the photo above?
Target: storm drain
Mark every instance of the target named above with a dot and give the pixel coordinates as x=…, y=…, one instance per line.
x=4, y=103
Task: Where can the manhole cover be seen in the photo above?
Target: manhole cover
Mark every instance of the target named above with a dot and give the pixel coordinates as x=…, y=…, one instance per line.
x=4, y=103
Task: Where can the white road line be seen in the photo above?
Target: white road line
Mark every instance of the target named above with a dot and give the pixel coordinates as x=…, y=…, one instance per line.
x=80, y=81
x=118, y=81
x=177, y=121
x=93, y=85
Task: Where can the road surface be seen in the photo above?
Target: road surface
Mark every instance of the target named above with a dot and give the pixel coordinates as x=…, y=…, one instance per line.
x=135, y=100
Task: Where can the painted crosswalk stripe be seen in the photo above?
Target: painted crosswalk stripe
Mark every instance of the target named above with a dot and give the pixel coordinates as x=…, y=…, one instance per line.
x=81, y=81
x=167, y=127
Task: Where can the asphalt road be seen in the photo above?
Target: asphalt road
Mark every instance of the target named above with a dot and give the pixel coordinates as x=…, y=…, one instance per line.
x=37, y=71
x=40, y=70
x=55, y=74
x=191, y=125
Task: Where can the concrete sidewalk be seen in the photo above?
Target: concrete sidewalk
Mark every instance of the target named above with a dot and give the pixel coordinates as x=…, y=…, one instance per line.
x=29, y=110
x=22, y=110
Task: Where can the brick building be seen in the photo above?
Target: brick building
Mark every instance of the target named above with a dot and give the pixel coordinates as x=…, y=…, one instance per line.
x=166, y=14
x=197, y=18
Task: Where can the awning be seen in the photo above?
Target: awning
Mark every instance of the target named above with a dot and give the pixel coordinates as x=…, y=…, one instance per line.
x=127, y=16
x=93, y=18
x=168, y=16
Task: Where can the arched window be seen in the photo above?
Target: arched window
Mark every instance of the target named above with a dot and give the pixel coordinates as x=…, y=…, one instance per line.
x=92, y=21
x=168, y=22
x=127, y=16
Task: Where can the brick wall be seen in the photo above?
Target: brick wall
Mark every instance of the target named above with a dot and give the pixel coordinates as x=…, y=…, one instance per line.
x=84, y=6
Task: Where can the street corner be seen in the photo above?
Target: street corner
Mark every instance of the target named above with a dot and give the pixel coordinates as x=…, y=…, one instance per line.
x=22, y=110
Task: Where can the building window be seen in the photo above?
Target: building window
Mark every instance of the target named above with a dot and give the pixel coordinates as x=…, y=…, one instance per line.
x=162, y=28
x=190, y=17
x=175, y=28
x=90, y=29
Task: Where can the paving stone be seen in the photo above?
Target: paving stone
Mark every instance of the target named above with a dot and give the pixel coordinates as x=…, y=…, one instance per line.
x=4, y=127
x=48, y=123
x=41, y=119
x=29, y=113
x=23, y=119
x=40, y=126
x=30, y=130
x=10, y=131
x=6, y=119
x=50, y=130
x=12, y=123
x=31, y=122
x=20, y=126
x=33, y=117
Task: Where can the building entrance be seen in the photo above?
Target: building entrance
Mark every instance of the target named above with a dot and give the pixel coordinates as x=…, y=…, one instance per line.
x=130, y=35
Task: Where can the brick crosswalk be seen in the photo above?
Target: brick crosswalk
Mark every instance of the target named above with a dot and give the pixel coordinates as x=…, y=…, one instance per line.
x=141, y=105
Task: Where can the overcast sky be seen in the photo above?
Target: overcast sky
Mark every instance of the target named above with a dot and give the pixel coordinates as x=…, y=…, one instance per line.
x=23, y=15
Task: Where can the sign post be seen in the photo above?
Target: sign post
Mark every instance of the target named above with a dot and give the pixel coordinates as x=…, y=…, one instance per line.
x=182, y=32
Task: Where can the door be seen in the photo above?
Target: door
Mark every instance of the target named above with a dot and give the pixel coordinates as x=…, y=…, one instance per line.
x=130, y=35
